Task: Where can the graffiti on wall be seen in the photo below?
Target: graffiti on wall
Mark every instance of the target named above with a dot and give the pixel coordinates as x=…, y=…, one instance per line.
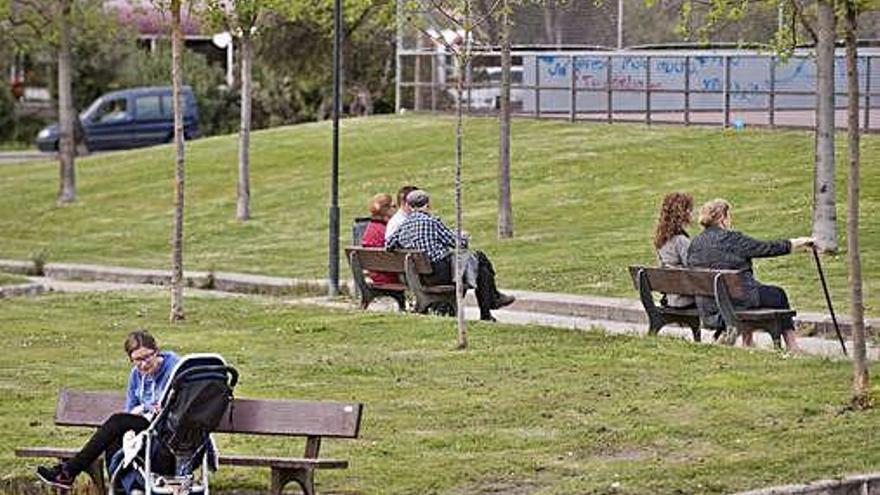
x=749, y=78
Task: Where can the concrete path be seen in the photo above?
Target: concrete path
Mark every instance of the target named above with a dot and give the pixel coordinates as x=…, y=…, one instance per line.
x=817, y=346
x=577, y=312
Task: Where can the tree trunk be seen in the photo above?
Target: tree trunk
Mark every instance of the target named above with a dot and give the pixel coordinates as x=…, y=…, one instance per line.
x=824, y=209
x=243, y=210
x=459, y=135
x=66, y=113
x=177, y=236
x=418, y=92
x=552, y=29
x=860, y=391
x=505, y=209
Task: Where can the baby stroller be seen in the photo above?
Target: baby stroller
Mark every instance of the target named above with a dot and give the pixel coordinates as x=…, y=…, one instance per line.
x=163, y=458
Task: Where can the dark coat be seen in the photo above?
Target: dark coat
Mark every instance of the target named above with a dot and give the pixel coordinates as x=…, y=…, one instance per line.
x=722, y=249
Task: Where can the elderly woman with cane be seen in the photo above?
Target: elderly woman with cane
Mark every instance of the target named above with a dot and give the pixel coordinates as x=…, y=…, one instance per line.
x=720, y=247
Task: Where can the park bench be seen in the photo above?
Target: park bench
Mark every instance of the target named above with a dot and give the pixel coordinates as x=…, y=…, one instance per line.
x=723, y=285
x=313, y=420
x=412, y=265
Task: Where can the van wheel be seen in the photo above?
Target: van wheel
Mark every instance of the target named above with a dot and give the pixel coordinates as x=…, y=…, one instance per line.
x=169, y=139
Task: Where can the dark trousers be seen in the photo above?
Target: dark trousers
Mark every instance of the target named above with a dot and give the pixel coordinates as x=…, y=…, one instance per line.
x=774, y=297
x=107, y=440
x=486, y=292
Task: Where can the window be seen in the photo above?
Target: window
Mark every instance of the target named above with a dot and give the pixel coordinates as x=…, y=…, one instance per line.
x=148, y=107
x=114, y=110
x=167, y=105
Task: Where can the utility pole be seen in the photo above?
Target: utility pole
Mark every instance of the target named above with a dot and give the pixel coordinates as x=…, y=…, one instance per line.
x=333, y=268
x=619, y=24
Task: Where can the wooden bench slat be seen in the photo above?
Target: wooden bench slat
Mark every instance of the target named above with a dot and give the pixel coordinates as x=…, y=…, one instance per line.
x=763, y=314
x=253, y=416
x=439, y=289
x=397, y=287
x=382, y=260
x=378, y=259
x=690, y=281
x=293, y=417
x=282, y=462
x=727, y=291
x=681, y=311
x=81, y=408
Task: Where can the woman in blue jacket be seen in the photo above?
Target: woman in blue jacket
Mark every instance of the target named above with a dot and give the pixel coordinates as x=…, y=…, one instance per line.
x=150, y=371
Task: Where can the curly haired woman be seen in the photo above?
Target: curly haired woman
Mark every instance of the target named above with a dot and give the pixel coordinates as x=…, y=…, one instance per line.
x=671, y=240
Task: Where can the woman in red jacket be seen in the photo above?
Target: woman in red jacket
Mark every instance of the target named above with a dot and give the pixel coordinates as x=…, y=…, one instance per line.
x=381, y=210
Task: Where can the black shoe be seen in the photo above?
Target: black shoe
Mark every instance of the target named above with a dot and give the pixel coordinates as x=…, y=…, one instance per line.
x=487, y=318
x=502, y=300
x=55, y=476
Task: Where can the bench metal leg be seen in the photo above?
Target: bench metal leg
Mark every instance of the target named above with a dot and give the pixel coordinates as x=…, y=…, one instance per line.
x=304, y=477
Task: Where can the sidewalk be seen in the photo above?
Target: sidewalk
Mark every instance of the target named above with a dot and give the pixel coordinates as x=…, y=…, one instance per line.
x=614, y=315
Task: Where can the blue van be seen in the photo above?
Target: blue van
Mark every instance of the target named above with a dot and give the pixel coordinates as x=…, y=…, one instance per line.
x=129, y=118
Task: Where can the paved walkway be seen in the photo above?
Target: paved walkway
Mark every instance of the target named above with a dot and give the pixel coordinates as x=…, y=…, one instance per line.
x=529, y=310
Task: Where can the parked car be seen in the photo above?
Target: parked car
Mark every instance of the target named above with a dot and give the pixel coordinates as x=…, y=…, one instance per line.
x=129, y=118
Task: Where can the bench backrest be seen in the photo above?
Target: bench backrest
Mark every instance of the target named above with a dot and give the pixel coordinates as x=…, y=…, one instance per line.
x=358, y=227
x=382, y=260
x=252, y=416
x=688, y=281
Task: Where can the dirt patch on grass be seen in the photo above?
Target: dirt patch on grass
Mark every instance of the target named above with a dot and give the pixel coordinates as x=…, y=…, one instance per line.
x=499, y=487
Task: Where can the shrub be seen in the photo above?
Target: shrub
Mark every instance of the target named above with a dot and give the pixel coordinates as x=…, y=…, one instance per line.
x=218, y=105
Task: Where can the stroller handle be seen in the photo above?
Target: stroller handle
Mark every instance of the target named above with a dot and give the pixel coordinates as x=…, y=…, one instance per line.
x=229, y=370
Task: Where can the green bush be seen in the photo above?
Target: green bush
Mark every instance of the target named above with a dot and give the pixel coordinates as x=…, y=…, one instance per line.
x=218, y=105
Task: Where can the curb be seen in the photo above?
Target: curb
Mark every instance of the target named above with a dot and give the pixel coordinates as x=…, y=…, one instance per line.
x=868, y=484
x=619, y=309
x=222, y=281
x=98, y=273
x=19, y=290
x=19, y=267
x=626, y=310
x=273, y=286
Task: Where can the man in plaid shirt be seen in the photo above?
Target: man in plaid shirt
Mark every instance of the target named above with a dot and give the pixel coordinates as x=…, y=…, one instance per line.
x=424, y=232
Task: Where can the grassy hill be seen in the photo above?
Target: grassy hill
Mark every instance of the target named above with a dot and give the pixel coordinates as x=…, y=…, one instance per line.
x=524, y=410
x=585, y=199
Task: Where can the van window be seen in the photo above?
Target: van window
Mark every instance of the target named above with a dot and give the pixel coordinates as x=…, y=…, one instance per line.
x=114, y=110
x=167, y=106
x=148, y=107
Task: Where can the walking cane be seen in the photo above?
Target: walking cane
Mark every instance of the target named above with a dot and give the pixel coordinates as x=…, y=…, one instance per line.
x=828, y=299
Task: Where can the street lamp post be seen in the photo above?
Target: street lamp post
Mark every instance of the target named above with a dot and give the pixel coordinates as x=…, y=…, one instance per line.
x=333, y=268
x=619, y=24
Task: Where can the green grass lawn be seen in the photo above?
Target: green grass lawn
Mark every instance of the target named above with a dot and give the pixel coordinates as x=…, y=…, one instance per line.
x=7, y=279
x=524, y=410
x=585, y=199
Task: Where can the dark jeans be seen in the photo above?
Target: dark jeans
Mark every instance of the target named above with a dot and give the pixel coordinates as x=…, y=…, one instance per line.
x=773, y=297
x=487, y=292
x=107, y=440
